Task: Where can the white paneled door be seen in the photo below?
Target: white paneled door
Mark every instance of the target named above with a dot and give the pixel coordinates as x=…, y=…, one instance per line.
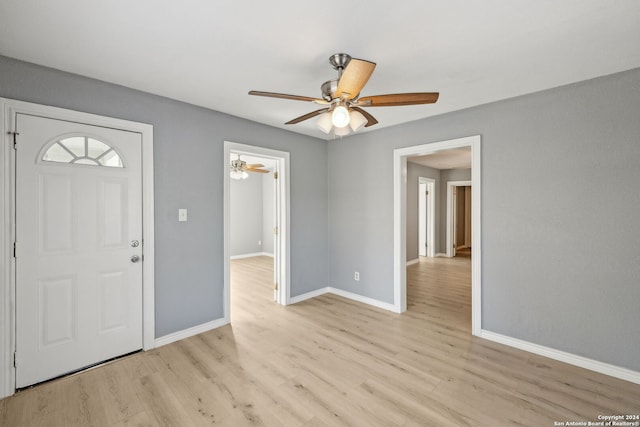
x=78, y=246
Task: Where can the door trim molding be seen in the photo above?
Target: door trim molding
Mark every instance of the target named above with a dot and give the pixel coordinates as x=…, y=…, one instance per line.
x=282, y=160
x=9, y=108
x=450, y=220
x=400, y=222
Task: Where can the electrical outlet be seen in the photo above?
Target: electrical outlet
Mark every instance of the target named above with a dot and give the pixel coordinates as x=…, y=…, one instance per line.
x=356, y=276
x=182, y=215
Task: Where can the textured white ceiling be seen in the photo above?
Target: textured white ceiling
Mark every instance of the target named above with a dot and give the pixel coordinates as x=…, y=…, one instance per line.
x=211, y=53
x=454, y=158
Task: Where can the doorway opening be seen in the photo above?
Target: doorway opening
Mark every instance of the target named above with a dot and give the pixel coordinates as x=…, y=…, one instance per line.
x=401, y=215
x=256, y=217
x=459, y=225
x=112, y=222
x=252, y=226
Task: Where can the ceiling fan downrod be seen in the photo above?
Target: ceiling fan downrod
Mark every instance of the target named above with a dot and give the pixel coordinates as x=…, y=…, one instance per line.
x=339, y=62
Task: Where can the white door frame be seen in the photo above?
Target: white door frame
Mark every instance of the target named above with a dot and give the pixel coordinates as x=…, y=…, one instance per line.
x=283, y=296
x=429, y=224
x=9, y=109
x=400, y=156
x=451, y=213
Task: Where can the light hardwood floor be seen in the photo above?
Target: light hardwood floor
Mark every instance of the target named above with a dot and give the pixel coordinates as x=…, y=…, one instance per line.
x=330, y=361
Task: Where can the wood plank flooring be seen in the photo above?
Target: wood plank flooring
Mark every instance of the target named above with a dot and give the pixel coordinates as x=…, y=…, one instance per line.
x=330, y=361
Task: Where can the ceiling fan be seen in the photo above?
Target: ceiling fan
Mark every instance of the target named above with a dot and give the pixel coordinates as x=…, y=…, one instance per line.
x=343, y=113
x=240, y=168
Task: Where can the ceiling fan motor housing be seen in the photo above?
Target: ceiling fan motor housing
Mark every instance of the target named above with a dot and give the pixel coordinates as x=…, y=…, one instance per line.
x=238, y=164
x=329, y=89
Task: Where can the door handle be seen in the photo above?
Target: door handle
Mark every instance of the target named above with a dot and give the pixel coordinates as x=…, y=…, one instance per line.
x=135, y=258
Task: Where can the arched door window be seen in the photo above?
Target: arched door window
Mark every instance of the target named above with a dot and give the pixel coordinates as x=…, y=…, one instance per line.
x=83, y=150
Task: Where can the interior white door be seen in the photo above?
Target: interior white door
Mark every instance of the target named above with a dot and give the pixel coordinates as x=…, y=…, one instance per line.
x=78, y=246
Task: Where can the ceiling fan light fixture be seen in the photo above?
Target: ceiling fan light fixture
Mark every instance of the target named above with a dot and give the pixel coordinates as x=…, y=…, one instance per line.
x=358, y=120
x=340, y=117
x=324, y=122
x=238, y=169
x=345, y=130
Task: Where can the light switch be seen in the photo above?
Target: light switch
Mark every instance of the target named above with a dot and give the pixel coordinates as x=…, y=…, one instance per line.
x=182, y=215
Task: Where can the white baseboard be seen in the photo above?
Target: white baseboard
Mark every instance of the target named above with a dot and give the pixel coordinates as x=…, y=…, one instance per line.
x=308, y=295
x=251, y=255
x=363, y=299
x=572, y=359
x=344, y=294
x=186, y=333
x=413, y=261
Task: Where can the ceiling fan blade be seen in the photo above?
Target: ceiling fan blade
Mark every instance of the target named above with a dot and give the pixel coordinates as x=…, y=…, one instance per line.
x=255, y=165
x=395, y=99
x=354, y=77
x=306, y=116
x=286, y=96
x=370, y=119
x=258, y=170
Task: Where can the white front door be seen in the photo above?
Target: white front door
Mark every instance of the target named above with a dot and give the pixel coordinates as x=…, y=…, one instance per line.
x=78, y=246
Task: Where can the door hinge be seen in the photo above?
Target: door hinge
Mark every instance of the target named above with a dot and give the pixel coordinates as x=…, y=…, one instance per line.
x=15, y=359
x=14, y=249
x=275, y=175
x=275, y=231
x=275, y=287
x=15, y=142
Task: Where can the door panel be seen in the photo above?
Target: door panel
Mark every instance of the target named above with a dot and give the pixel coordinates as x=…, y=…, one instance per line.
x=112, y=209
x=78, y=208
x=113, y=301
x=57, y=311
x=57, y=214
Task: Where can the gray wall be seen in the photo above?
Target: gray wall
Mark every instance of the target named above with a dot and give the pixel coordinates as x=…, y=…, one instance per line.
x=245, y=215
x=189, y=167
x=267, y=213
x=560, y=234
x=414, y=172
x=251, y=214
